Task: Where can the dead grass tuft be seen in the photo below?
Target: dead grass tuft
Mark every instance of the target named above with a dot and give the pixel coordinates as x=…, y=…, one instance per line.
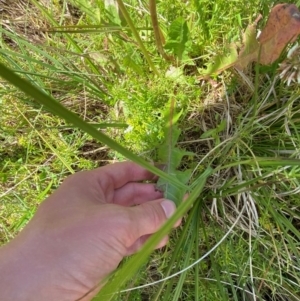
x=23, y=19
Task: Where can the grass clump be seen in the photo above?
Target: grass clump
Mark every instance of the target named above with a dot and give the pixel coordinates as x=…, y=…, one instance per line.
x=240, y=241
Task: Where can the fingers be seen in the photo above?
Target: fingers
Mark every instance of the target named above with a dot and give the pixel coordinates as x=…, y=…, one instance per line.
x=104, y=184
x=148, y=222
x=136, y=193
x=146, y=219
x=117, y=175
x=140, y=242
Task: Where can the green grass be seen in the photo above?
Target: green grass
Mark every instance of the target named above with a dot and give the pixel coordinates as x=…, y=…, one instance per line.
x=243, y=230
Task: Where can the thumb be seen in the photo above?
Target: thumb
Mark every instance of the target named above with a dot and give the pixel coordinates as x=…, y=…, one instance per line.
x=148, y=217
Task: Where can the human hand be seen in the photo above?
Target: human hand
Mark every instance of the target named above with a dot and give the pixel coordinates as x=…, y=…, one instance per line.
x=80, y=234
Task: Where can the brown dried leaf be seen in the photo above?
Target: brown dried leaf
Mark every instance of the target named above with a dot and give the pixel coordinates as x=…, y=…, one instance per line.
x=283, y=27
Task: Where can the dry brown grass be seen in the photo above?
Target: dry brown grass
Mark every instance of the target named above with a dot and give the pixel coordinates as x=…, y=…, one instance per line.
x=23, y=19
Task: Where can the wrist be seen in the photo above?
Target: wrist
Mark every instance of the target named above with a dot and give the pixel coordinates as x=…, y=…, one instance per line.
x=26, y=273
x=33, y=268
x=20, y=278
x=17, y=281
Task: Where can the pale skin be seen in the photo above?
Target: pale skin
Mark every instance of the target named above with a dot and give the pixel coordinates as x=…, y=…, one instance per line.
x=81, y=233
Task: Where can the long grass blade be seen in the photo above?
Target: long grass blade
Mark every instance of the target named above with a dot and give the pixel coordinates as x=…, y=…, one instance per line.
x=58, y=109
x=137, y=36
x=176, y=253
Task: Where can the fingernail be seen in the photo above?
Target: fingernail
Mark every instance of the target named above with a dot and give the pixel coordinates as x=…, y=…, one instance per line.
x=169, y=207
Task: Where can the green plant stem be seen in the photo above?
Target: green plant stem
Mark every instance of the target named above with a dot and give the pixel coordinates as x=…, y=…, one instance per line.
x=137, y=36
x=156, y=30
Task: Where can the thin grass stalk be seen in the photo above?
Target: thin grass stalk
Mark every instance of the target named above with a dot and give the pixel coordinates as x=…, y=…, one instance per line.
x=256, y=84
x=25, y=53
x=203, y=230
x=284, y=224
x=266, y=162
x=53, y=150
x=158, y=36
x=197, y=295
x=56, y=67
x=233, y=288
x=216, y=271
x=189, y=246
x=176, y=253
x=137, y=36
x=90, y=63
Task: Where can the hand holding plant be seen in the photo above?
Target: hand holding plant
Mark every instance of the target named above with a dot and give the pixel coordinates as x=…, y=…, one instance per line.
x=80, y=234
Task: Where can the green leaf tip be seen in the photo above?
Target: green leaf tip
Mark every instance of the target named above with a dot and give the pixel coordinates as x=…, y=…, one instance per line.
x=172, y=156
